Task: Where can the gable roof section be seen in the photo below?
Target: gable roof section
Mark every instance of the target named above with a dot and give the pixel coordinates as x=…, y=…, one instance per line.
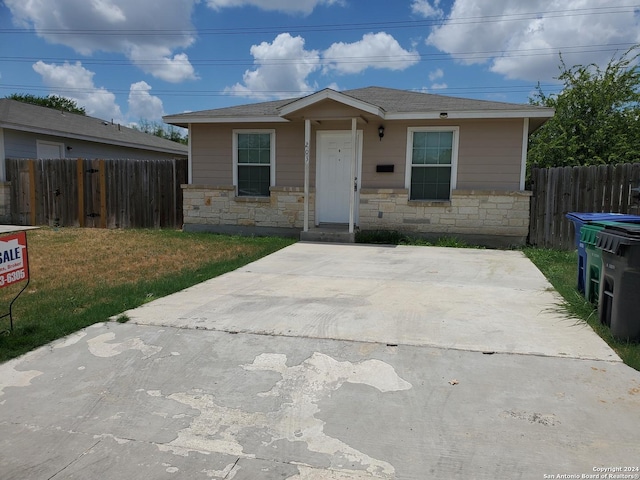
x=387, y=103
x=25, y=117
x=328, y=94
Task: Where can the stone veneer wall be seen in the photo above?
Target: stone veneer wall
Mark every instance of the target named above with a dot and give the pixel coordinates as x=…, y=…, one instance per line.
x=469, y=212
x=5, y=202
x=216, y=206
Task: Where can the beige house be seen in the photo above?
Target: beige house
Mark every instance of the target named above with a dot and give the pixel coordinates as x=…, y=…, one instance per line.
x=328, y=164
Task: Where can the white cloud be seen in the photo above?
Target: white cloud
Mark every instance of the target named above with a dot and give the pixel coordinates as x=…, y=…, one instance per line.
x=170, y=69
x=116, y=26
x=143, y=105
x=424, y=8
x=282, y=69
x=436, y=74
x=76, y=82
x=304, y=7
x=522, y=39
x=110, y=12
x=375, y=50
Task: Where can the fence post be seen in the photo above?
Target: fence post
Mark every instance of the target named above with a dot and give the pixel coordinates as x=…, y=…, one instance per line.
x=103, y=194
x=80, y=174
x=32, y=192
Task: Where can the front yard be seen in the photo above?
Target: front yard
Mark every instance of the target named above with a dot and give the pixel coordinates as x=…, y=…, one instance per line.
x=84, y=276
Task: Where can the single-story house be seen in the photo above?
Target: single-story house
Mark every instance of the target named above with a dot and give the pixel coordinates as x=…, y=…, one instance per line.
x=32, y=131
x=370, y=159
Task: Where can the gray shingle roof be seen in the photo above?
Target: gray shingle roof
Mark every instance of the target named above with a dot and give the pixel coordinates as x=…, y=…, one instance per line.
x=33, y=118
x=391, y=101
x=405, y=101
x=263, y=109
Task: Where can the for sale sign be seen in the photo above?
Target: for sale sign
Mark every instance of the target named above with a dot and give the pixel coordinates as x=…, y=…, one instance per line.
x=14, y=266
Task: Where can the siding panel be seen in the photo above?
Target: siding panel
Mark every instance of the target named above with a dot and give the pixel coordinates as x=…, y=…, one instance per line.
x=23, y=145
x=489, y=151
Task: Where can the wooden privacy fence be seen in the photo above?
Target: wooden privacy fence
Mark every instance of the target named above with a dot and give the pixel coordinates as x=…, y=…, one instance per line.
x=560, y=190
x=97, y=193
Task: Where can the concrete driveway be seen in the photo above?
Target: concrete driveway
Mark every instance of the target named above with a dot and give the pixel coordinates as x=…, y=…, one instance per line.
x=330, y=362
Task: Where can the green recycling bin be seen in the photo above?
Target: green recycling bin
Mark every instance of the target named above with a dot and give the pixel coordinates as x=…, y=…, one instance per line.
x=593, y=257
x=593, y=262
x=619, y=305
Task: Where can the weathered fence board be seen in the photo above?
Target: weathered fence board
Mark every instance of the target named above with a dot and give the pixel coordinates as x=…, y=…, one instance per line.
x=97, y=193
x=560, y=190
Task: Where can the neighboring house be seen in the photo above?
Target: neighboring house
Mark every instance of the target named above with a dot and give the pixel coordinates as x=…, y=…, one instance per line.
x=32, y=131
x=371, y=158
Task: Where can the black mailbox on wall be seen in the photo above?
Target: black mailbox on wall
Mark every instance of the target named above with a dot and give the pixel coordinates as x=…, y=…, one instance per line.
x=384, y=168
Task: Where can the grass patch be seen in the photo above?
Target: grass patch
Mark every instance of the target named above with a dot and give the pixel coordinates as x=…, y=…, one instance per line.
x=561, y=270
x=84, y=276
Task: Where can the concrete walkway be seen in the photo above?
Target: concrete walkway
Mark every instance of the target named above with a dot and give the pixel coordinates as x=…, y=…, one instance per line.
x=330, y=362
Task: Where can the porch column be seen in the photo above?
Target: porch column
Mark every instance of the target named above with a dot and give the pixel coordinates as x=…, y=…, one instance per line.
x=307, y=144
x=352, y=194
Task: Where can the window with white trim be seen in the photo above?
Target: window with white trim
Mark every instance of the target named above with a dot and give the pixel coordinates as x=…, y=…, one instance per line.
x=253, y=162
x=432, y=157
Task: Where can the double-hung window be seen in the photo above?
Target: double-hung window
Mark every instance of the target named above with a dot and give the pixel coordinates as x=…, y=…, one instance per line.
x=253, y=162
x=431, y=162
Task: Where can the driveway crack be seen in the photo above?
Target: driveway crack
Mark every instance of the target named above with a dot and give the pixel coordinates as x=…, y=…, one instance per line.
x=74, y=460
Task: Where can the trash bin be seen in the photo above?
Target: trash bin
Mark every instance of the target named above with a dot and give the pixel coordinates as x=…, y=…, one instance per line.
x=593, y=262
x=619, y=305
x=579, y=219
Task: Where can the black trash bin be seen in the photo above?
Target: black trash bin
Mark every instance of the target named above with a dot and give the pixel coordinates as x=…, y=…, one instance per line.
x=619, y=305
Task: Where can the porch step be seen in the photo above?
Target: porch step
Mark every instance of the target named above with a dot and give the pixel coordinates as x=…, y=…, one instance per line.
x=328, y=234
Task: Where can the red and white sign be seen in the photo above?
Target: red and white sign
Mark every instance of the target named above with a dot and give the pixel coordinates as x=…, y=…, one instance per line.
x=14, y=266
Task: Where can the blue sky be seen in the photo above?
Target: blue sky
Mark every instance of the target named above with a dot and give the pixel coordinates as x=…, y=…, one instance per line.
x=128, y=60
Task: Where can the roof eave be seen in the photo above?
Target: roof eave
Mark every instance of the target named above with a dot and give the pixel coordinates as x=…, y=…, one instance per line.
x=88, y=138
x=185, y=121
x=479, y=114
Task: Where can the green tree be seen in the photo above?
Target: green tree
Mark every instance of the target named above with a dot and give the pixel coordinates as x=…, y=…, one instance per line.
x=160, y=130
x=52, y=101
x=597, y=119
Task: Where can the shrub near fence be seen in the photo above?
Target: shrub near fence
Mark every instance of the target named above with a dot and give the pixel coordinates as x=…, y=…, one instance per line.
x=560, y=190
x=110, y=193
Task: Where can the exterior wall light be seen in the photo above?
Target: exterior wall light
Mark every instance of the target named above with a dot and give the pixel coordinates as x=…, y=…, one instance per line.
x=381, y=132
x=444, y=115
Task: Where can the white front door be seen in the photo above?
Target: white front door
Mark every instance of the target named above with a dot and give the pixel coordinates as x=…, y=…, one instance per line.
x=333, y=176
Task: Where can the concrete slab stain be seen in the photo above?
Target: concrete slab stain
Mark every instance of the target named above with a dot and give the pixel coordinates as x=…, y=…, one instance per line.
x=70, y=340
x=217, y=428
x=226, y=473
x=10, y=377
x=548, y=420
x=308, y=473
x=99, y=347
